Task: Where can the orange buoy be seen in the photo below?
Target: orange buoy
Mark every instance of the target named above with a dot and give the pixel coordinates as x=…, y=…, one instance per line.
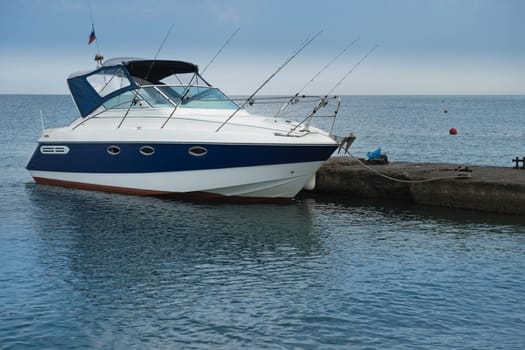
x=453, y=131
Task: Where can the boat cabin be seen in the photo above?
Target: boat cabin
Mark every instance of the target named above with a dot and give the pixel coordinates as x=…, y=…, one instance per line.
x=125, y=83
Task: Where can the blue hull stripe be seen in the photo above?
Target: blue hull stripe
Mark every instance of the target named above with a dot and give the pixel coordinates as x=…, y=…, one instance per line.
x=94, y=157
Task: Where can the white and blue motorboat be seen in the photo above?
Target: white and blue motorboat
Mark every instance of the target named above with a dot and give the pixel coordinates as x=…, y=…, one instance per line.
x=144, y=130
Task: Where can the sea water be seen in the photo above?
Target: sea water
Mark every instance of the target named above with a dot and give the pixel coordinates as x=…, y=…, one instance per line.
x=83, y=269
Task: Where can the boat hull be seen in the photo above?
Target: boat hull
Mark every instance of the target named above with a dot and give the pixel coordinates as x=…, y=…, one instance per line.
x=248, y=171
x=267, y=181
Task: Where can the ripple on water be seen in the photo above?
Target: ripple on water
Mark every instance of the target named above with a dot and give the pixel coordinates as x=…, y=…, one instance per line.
x=93, y=270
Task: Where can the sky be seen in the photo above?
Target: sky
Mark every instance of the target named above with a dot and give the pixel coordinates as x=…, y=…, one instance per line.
x=424, y=47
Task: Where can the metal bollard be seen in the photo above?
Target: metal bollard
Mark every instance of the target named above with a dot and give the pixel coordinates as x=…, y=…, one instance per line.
x=517, y=161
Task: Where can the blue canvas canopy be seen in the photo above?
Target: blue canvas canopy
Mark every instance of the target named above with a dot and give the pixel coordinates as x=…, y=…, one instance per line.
x=90, y=90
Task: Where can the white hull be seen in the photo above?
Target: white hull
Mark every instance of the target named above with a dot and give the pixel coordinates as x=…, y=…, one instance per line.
x=139, y=134
x=268, y=181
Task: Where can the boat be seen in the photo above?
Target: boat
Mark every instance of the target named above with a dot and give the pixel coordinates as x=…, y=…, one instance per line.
x=157, y=127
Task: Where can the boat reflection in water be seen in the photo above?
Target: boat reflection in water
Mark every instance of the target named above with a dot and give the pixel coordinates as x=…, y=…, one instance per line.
x=126, y=242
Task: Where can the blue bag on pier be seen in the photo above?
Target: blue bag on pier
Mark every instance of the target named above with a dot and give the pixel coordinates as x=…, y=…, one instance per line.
x=375, y=154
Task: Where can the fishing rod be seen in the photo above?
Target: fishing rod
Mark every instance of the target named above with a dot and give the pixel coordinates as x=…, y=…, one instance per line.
x=182, y=98
x=323, y=101
x=220, y=50
x=296, y=52
x=196, y=76
x=164, y=41
x=352, y=69
x=157, y=54
x=187, y=90
x=145, y=79
x=294, y=97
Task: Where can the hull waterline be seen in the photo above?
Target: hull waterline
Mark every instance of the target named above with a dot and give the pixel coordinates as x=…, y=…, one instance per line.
x=281, y=181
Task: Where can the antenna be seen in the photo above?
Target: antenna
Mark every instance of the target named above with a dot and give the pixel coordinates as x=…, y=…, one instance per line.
x=296, y=52
x=220, y=50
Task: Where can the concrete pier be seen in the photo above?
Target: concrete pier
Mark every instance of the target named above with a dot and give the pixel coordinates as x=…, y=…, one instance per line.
x=483, y=188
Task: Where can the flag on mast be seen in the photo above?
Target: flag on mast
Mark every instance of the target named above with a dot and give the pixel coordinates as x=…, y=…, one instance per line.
x=92, y=36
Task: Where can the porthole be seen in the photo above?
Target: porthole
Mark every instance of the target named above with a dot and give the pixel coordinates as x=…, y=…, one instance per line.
x=197, y=151
x=113, y=150
x=147, y=150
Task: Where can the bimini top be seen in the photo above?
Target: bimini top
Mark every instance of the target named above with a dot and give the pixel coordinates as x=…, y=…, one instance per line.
x=153, y=70
x=116, y=76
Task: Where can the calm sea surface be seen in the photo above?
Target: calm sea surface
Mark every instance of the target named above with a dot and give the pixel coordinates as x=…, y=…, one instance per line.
x=95, y=270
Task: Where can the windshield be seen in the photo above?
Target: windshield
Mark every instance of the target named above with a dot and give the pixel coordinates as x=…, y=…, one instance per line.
x=199, y=97
x=146, y=97
x=160, y=96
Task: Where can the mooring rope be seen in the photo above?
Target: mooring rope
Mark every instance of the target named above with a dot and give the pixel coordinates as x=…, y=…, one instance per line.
x=456, y=176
